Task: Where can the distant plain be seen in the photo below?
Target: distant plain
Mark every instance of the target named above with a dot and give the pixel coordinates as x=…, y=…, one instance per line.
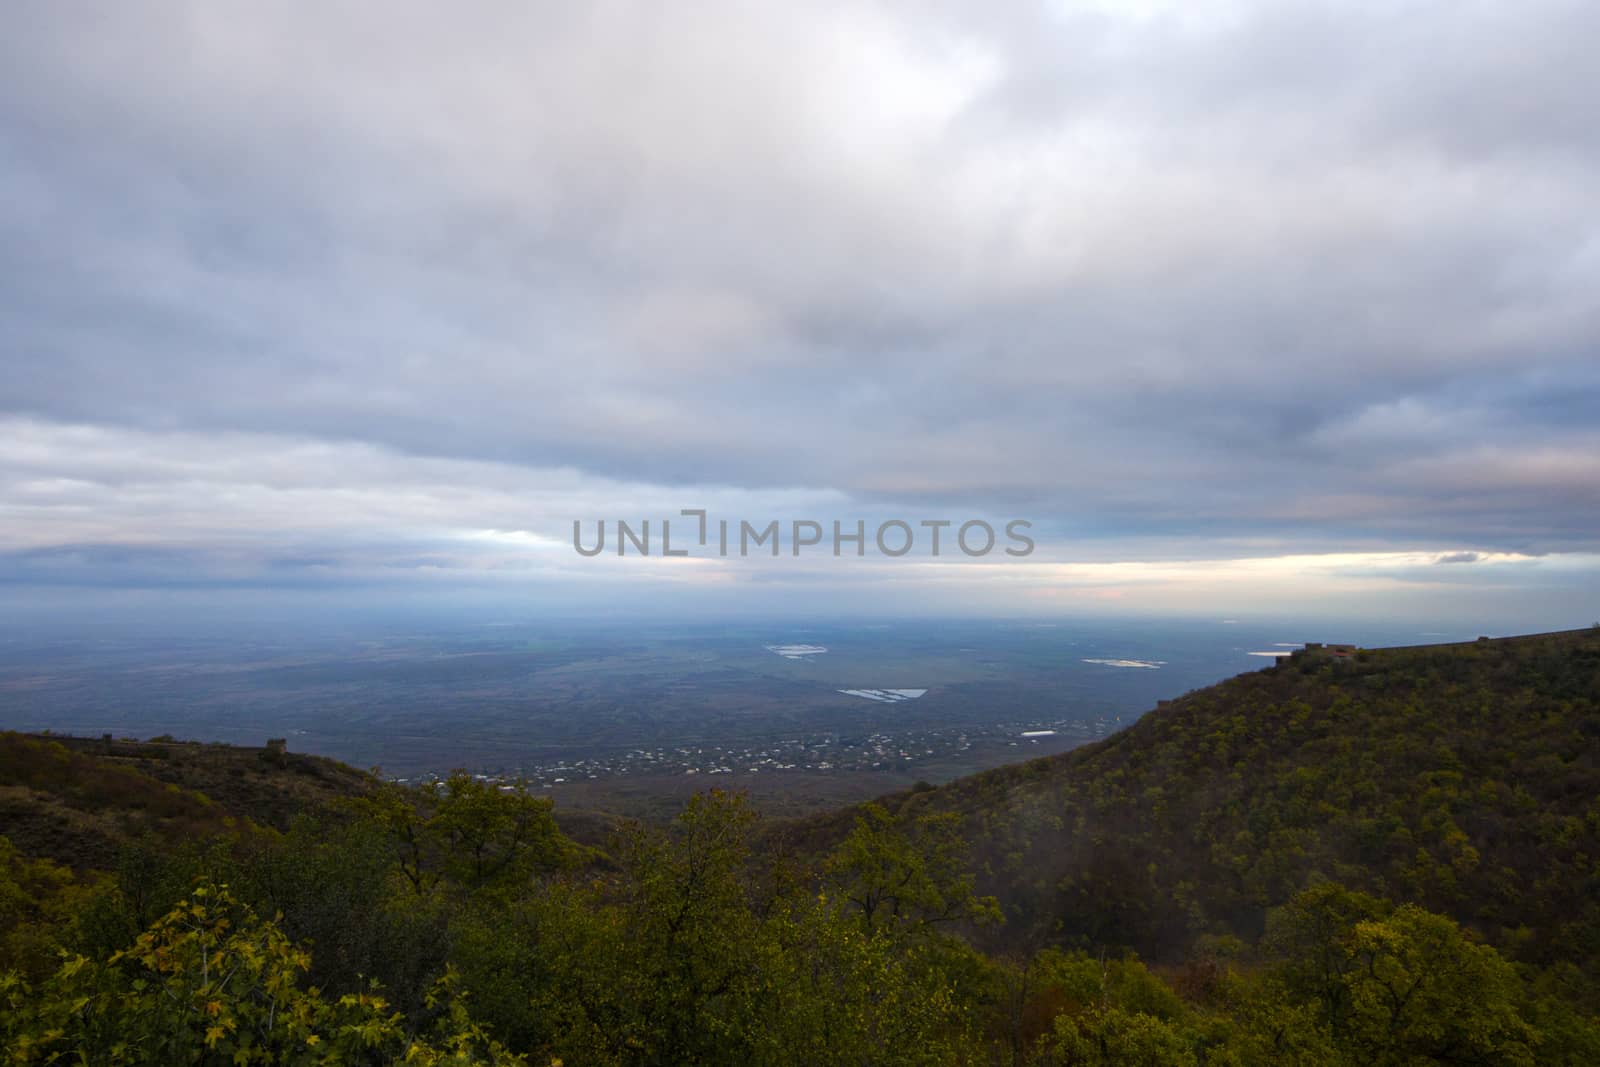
x=633, y=717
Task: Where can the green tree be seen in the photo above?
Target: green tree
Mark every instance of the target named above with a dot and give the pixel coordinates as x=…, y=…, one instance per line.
x=651, y=963
x=908, y=872
x=1112, y=1037
x=36, y=899
x=830, y=992
x=212, y=983
x=1421, y=991
x=479, y=835
x=1310, y=935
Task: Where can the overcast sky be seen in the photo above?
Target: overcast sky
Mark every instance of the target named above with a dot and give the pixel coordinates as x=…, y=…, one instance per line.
x=1246, y=306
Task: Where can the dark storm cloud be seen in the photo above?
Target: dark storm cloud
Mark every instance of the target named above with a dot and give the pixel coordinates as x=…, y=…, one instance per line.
x=1320, y=274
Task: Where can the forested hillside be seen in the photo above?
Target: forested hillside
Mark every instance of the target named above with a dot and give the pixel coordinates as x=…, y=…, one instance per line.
x=1382, y=858
x=1465, y=778
x=81, y=802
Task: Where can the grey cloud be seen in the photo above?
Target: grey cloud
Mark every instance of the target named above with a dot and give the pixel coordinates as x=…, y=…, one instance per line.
x=1324, y=273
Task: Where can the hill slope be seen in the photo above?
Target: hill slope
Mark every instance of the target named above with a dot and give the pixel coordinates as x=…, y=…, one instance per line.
x=1462, y=777
x=76, y=800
